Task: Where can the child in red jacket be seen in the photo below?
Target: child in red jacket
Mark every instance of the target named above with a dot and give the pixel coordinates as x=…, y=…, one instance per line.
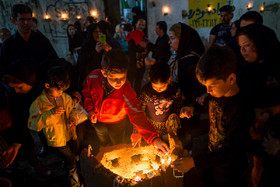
x=109, y=98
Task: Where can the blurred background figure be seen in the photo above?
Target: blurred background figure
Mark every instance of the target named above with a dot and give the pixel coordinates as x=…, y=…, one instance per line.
x=75, y=40
x=4, y=34
x=120, y=36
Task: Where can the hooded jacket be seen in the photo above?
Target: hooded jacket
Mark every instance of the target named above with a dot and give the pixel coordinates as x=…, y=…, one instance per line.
x=56, y=130
x=114, y=108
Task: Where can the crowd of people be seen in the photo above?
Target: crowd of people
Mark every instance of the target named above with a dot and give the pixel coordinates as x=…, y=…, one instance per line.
x=235, y=79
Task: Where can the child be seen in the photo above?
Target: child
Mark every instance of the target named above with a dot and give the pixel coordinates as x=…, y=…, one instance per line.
x=109, y=97
x=161, y=100
x=230, y=119
x=53, y=113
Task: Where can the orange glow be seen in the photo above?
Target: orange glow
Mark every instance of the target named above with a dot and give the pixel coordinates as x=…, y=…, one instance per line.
x=79, y=17
x=47, y=17
x=64, y=16
x=249, y=6
x=165, y=10
x=209, y=9
x=93, y=13
x=137, y=179
x=262, y=8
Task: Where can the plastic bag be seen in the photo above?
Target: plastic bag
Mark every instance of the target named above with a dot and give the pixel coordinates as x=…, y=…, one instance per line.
x=82, y=113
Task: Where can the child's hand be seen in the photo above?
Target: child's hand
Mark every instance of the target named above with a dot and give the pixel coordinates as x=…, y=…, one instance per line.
x=161, y=146
x=58, y=111
x=271, y=145
x=186, y=112
x=201, y=99
x=184, y=164
x=10, y=154
x=135, y=138
x=73, y=123
x=92, y=117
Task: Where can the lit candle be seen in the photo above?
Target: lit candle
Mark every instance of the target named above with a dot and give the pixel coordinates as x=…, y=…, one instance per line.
x=79, y=17
x=47, y=17
x=209, y=9
x=165, y=10
x=93, y=13
x=249, y=6
x=262, y=8
x=137, y=179
x=64, y=16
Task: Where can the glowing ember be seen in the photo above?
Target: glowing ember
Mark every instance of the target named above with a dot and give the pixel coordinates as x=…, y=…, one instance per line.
x=137, y=179
x=155, y=166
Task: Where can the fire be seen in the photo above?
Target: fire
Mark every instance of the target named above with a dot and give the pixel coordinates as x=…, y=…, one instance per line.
x=140, y=162
x=137, y=179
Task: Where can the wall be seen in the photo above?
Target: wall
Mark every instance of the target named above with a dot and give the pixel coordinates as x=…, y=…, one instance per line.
x=55, y=29
x=175, y=15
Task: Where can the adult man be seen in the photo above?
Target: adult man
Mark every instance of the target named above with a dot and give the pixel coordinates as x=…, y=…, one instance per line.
x=220, y=34
x=25, y=43
x=161, y=49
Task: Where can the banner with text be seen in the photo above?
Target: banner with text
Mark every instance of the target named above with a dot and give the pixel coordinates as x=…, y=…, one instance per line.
x=198, y=15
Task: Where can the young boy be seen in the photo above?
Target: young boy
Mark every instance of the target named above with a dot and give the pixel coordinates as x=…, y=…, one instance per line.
x=161, y=100
x=53, y=113
x=230, y=119
x=109, y=98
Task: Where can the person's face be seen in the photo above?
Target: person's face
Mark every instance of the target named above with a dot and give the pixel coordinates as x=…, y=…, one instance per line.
x=219, y=87
x=140, y=25
x=225, y=17
x=158, y=30
x=22, y=88
x=116, y=80
x=233, y=30
x=95, y=34
x=173, y=41
x=34, y=26
x=244, y=23
x=160, y=87
x=247, y=48
x=52, y=91
x=71, y=30
x=23, y=23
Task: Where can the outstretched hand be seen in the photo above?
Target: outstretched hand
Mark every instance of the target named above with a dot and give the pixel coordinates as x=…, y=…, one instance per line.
x=10, y=154
x=161, y=146
x=186, y=112
x=184, y=164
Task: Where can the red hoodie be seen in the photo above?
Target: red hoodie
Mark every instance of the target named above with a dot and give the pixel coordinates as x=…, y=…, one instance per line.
x=136, y=35
x=116, y=106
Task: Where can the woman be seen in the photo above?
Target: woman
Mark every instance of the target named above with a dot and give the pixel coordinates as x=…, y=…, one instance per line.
x=188, y=47
x=91, y=54
x=75, y=40
x=259, y=47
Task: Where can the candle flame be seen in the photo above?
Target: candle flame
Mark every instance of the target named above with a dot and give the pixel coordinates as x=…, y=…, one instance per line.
x=137, y=179
x=47, y=16
x=249, y=5
x=94, y=13
x=79, y=17
x=64, y=16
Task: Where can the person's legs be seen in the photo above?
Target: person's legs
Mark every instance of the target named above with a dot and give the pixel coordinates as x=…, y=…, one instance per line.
x=116, y=132
x=70, y=163
x=102, y=133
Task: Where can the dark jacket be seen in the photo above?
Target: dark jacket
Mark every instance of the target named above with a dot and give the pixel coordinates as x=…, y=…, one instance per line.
x=161, y=49
x=38, y=48
x=189, y=50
